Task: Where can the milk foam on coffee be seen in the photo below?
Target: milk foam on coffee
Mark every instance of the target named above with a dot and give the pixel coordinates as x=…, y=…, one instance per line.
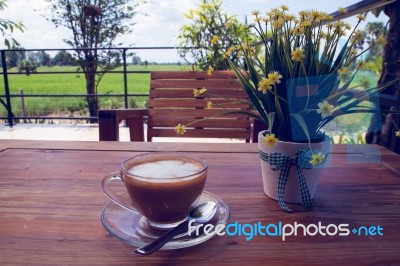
x=166, y=169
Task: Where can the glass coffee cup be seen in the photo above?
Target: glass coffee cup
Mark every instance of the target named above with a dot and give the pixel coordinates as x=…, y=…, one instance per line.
x=163, y=187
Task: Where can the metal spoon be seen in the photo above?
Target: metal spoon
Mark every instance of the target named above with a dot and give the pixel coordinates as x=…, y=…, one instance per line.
x=202, y=213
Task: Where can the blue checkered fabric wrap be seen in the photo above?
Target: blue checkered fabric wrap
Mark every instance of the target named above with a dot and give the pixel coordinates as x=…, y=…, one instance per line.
x=283, y=162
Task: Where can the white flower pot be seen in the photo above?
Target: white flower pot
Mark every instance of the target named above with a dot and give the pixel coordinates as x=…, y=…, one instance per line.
x=292, y=190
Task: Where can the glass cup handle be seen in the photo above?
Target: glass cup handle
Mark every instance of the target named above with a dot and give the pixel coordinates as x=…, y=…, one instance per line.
x=122, y=201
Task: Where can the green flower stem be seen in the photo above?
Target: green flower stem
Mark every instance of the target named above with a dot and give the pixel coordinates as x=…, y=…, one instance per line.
x=308, y=85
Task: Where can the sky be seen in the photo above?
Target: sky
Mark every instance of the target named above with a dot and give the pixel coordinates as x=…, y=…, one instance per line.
x=157, y=23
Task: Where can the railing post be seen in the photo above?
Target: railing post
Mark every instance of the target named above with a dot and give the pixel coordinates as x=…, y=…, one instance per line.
x=125, y=78
x=7, y=88
x=21, y=93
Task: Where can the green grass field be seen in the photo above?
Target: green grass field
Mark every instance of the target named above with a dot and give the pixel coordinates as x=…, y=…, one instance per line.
x=112, y=83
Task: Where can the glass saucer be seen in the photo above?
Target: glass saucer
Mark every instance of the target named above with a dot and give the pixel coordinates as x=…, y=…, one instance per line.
x=133, y=229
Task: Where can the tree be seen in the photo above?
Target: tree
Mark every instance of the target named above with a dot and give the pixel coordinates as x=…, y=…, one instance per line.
x=7, y=27
x=27, y=66
x=45, y=59
x=372, y=31
x=210, y=32
x=136, y=60
x=15, y=56
x=40, y=58
x=373, y=56
x=390, y=72
x=94, y=24
x=63, y=58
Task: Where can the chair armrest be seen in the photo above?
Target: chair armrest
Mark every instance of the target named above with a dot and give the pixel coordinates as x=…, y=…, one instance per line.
x=109, y=123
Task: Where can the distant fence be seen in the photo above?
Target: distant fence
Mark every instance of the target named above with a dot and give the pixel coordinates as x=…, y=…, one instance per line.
x=5, y=99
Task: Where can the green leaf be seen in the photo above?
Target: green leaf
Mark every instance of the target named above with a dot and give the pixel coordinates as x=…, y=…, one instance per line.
x=303, y=125
x=248, y=88
x=340, y=57
x=7, y=43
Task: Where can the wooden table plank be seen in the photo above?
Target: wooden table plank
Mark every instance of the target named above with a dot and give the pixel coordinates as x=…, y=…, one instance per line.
x=51, y=200
x=129, y=146
x=174, y=146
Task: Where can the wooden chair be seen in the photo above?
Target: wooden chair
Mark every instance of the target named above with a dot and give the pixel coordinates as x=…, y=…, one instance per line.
x=171, y=102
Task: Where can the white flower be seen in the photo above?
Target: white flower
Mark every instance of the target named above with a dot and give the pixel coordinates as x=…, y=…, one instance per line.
x=325, y=109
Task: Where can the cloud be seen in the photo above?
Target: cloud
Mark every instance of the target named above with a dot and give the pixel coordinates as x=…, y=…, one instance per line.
x=38, y=32
x=157, y=23
x=160, y=22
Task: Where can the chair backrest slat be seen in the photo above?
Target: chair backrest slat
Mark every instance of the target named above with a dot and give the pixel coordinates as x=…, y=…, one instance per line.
x=171, y=102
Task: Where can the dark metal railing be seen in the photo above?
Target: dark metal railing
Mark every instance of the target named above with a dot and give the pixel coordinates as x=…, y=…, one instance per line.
x=361, y=7
x=7, y=89
x=8, y=96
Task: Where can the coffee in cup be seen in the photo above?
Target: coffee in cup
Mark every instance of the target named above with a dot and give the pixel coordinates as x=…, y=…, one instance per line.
x=163, y=187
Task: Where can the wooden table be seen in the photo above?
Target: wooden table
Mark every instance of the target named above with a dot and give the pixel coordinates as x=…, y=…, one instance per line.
x=51, y=201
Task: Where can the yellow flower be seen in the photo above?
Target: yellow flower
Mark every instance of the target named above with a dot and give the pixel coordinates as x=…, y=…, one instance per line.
x=277, y=24
x=229, y=52
x=275, y=12
x=266, y=20
x=327, y=17
x=244, y=27
x=210, y=105
x=210, y=70
x=339, y=25
x=298, y=54
x=342, y=10
x=317, y=159
x=340, y=28
x=180, y=129
x=214, y=39
x=271, y=140
x=325, y=109
x=284, y=7
x=341, y=33
x=397, y=133
x=249, y=49
x=197, y=92
x=252, y=51
x=364, y=83
x=255, y=13
x=290, y=17
x=313, y=160
x=361, y=17
x=318, y=15
x=344, y=74
x=382, y=40
x=306, y=23
x=264, y=85
x=298, y=31
x=229, y=24
x=357, y=36
x=323, y=35
x=303, y=13
x=275, y=77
